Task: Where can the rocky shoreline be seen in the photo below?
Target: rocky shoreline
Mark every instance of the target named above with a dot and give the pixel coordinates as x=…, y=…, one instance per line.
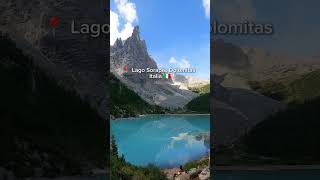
x=197, y=173
x=194, y=170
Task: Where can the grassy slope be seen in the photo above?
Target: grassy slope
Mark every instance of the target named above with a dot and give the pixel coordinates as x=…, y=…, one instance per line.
x=126, y=103
x=200, y=104
x=305, y=88
x=35, y=110
x=297, y=90
x=201, y=89
x=196, y=163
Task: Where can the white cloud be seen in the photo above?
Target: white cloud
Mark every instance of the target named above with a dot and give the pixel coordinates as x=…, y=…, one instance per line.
x=172, y=60
x=114, y=24
x=127, y=31
x=183, y=63
x=206, y=5
x=127, y=12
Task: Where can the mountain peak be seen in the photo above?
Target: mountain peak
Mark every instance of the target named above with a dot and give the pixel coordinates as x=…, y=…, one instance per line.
x=118, y=43
x=131, y=52
x=134, y=54
x=136, y=32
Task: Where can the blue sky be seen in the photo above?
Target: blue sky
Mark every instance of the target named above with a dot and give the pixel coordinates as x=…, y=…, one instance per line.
x=296, y=24
x=175, y=31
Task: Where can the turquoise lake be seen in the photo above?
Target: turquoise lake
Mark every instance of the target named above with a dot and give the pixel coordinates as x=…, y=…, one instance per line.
x=267, y=175
x=163, y=140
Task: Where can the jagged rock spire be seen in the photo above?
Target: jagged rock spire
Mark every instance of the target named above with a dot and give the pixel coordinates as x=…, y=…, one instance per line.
x=118, y=43
x=136, y=32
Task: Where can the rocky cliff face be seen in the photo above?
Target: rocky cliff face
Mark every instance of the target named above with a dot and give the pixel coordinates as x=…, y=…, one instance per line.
x=76, y=61
x=132, y=53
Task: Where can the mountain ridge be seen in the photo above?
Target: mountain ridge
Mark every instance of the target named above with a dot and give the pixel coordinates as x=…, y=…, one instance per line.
x=132, y=53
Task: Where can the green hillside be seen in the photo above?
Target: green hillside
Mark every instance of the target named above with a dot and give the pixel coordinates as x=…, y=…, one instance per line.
x=294, y=90
x=305, y=88
x=200, y=104
x=126, y=103
x=201, y=89
x=41, y=123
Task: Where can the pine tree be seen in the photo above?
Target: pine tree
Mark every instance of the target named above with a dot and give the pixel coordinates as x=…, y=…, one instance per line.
x=122, y=159
x=114, y=148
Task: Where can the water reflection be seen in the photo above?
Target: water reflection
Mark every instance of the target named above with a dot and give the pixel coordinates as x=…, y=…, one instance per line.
x=166, y=141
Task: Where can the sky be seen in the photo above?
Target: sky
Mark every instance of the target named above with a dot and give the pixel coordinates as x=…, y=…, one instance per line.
x=296, y=24
x=177, y=33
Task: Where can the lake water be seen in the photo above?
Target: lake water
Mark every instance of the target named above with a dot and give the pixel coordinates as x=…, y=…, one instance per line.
x=267, y=175
x=164, y=140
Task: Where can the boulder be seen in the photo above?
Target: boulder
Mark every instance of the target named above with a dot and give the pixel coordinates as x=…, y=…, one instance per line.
x=205, y=174
x=184, y=176
x=194, y=172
